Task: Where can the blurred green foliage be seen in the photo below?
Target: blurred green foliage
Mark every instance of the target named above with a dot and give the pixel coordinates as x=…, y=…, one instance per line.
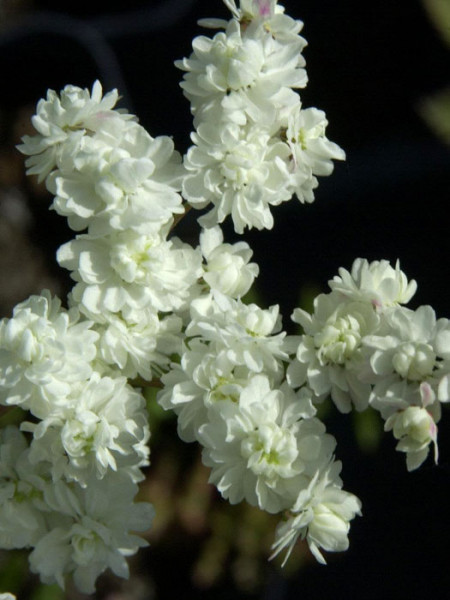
x=435, y=109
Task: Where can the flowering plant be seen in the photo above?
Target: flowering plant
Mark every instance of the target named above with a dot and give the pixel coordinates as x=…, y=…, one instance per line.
x=148, y=309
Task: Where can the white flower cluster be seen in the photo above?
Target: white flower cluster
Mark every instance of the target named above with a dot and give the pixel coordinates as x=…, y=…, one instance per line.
x=239, y=385
x=73, y=529
x=255, y=146
x=361, y=347
x=259, y=436
x=247, y=393
x=70, y=368
x=111, y=177
x=73, y=480
x=89, y=435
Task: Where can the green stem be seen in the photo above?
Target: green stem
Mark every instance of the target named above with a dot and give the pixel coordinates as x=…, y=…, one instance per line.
x=140, y=382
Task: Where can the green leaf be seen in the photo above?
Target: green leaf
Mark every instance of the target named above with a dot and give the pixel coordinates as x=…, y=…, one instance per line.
x=368, y=430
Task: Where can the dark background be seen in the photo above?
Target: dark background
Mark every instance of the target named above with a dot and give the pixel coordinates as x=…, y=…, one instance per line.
x=370, y=64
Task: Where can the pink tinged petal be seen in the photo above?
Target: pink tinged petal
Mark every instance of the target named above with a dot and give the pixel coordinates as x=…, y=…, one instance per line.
x=433, y=430
x=433, y=435
x=264, y=8
x=427, y=394
x=376, y=303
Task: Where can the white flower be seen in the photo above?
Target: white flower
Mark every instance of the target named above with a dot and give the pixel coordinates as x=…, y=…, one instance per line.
x=312, y=152
x=321, y=514
x=139, y=346
x=226, y=62
x=258, y=446
x=201, y=380
x=242, y=68
x=94, y=531
x=281, y=27
x=267, y=13
x=103, y=426
x=415, y=428
x=244, y=333
x=408, y=361
x=228, y=269
x=242, y=171
x=21, y=522
x=407, y=348
x=405, y=354
x=118, y=178
x=62, y=120
x=127, y=270
x=329, y=356
x=249, y=9
x=44, y=350
x=376, y=282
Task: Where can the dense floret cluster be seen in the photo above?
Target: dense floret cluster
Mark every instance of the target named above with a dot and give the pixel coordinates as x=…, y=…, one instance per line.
x=255, y=146
x=148, y=309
